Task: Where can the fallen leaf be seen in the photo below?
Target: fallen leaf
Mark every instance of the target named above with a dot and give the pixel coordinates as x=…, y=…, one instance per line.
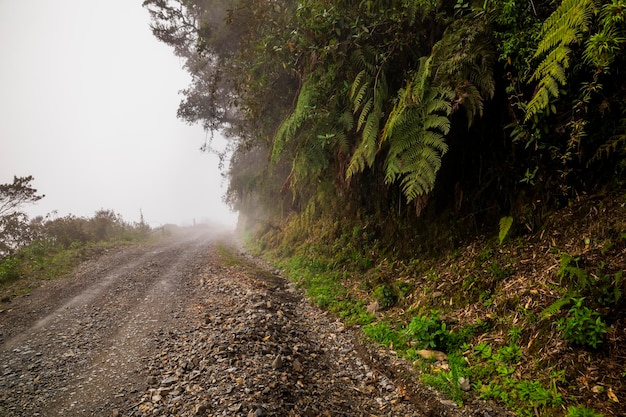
x=612, y=395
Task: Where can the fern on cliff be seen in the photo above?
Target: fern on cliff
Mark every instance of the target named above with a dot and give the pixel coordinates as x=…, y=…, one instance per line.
x=415, y=131
x=368, y=94
x=464, y=60
x=304, y=110
x=561, y=29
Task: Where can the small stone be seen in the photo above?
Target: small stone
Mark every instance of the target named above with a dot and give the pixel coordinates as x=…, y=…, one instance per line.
x=464, y=383
x=297, y=366
x=432, y=354
x=278, y=363
x=200, y=409
x=169, y=381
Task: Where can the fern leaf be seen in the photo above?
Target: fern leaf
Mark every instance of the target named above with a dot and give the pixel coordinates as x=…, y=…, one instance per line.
x=505, y=226
x=290, y=125
x=555, y=307
x=415, y=132
x=365, y=112
x=561, y=29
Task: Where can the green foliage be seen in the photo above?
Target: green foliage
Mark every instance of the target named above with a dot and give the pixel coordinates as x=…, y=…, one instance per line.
x=536, y=395
x=63, y=243
x=448, y=381
x=574, y=411
x=415, y=131
x=368, y=94
x=304, y=110
x=555, y=307
x=428, y=332
x=382, y=333
x=505, y=226
x=562, y=29
x=385, y=295
x=570, y=271
x=583, y=326
x=9, y=269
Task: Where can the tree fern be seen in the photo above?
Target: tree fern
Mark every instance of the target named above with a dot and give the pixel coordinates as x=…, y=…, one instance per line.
x=561, y=29
x=415, y=132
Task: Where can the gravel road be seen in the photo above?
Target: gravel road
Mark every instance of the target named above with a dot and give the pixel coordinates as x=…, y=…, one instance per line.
x=171, y=329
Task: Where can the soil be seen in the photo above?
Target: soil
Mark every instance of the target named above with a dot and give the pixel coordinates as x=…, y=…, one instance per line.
x=172, y=328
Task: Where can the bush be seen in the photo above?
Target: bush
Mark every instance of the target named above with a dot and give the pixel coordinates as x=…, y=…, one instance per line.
x=428, y=332
x=385, y=296
x=9, y=269
x=583, y=326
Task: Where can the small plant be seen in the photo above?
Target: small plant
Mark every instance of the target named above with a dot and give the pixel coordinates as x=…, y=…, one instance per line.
x=448, y=382
x=583, y=326
x=569, y=269
x=9, y=269
x=537, y=395
x=505, y=227
x=483, y=350
x=428, y=332
x=509, y=354
x=385, y=296
x=581, y=412
x=382, y=333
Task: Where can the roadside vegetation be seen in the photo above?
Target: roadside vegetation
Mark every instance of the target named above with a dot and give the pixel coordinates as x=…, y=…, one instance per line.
x=449, y=175
x=532, y=321
x=53, y=247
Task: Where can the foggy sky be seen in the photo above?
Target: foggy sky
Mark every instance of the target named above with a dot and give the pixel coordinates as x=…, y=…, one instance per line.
x=88, y=101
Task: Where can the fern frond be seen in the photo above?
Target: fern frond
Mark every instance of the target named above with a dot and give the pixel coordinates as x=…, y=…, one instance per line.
x=415, y=132
x=358, y=89
x=555, y=307
x=564, y=25
x=365, y=112
x=561, y=29
x=505, y=225
x=364, y=58
x=290, y=125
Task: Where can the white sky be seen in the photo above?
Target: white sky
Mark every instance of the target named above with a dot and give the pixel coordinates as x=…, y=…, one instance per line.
x=88, y=101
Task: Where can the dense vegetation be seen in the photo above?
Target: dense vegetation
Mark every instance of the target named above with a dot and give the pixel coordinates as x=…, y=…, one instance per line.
x=369, y=137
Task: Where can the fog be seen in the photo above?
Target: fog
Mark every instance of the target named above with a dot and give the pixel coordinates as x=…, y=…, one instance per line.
x=88, y=101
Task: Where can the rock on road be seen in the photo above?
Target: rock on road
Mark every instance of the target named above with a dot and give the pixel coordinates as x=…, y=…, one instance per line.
x=172, y=329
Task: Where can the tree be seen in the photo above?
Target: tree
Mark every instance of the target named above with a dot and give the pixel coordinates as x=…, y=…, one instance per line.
x=14, y=227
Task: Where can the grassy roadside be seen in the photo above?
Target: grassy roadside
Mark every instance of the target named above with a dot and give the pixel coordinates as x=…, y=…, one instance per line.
x=535, y=322
x=25, y=270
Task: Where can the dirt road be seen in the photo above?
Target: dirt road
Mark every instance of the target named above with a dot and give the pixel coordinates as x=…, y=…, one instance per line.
x=171, y=329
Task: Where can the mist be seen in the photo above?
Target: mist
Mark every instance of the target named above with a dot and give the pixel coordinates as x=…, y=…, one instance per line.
x=89, y=109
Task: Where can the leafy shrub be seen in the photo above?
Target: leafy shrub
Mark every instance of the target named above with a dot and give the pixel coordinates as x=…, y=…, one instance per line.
x=385, y=296
x=536, y=395
x=510, y=354
x=9, y=269
x=583, y=326
x=429, y=332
